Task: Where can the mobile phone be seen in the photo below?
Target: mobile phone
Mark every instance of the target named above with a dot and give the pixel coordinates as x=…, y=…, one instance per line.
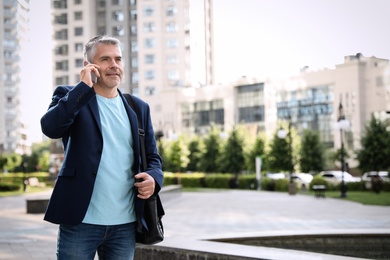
x=93, y=75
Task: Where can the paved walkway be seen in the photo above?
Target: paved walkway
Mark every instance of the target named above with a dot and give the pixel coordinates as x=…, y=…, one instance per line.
x=202, y=215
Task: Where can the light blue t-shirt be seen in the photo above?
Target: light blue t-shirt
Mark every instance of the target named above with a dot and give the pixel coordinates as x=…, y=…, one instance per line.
x=113, y=194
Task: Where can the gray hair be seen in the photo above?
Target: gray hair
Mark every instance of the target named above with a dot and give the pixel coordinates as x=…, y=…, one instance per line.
x=90, y=46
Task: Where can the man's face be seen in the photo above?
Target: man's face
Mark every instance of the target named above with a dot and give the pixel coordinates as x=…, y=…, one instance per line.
x=109, y=58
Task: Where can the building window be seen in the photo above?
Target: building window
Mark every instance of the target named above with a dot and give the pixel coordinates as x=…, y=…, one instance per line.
x=102, y=3
x=77, y=78
x=77, y=2
x=172, y=59
x=149, y=27
x=133, y=30
x=148, y=10
x=171, y=11
x=101, y=30
x=149, y=43
x=171, y=27
x=172, y=43
x=101, y=17
x=61, y=50
x=133, y=15
x=78, y=47
x=173, y=75
x=118, y=31
x=117, y=2
x=150, y=91
x=78, y=31
x=134, y=62
x=61, y=35
x=134, y=78
x=62, y=65
x=79, y=63
x=134, y=47
x=78, y=15
x=118, y=16
x=61, y=19
x=149, y=59
x=149, y=75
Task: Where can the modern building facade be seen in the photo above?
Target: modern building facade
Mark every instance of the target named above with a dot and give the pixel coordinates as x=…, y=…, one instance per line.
x=309, y=100
x=13, y=32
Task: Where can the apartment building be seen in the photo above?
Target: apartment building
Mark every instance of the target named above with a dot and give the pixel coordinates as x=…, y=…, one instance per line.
x=13, y=31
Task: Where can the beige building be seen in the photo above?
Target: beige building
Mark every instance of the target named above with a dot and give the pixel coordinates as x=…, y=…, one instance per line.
x=309, y=100
x=13, y=31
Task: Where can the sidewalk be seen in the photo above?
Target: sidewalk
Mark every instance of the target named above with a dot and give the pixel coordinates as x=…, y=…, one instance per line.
x=204, y=215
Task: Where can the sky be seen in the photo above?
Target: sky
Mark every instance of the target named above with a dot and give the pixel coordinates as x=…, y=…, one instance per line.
x=253, y=38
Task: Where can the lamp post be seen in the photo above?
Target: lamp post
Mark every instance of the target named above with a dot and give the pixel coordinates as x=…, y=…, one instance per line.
x=342, y=124
x=282, y=134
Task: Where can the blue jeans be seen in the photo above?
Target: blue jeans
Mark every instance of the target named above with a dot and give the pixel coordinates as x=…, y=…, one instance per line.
x=81, y=242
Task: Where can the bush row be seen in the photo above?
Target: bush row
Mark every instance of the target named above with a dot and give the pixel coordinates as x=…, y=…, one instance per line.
x=249, y=181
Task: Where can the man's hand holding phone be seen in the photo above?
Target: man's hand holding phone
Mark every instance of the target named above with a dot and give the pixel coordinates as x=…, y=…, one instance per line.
x=89, y=73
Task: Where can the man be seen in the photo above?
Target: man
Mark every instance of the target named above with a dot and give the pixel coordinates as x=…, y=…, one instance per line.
x=99, y=186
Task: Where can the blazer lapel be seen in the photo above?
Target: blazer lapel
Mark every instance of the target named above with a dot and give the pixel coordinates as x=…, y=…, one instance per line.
x=93, y=106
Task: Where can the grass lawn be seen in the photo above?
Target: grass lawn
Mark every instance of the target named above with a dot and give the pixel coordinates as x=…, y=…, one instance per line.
x=363, y=197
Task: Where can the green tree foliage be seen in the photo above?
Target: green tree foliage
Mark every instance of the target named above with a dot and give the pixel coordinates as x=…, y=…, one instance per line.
x=278, y=156
x=232, y=158
x=195, y=153
x=208, y=160
x=375, y=152
x=9, y=162
x=311, y=152
x=178, y=158
x=258, y=149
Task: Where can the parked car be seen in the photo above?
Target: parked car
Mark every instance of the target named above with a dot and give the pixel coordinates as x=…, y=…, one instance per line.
x=275, y=176
x=383, y=176
x=335, y=177
x=302, y=180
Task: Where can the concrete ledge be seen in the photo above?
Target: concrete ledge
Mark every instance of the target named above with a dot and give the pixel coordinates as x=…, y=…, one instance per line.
x=170, y=192
x=195, y=249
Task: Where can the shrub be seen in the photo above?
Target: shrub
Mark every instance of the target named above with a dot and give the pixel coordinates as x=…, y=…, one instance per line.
x=9, y=187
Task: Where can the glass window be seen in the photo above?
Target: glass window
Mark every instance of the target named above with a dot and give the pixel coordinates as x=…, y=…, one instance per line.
x=148, y=10
x=134, y=62
x=171, y=11
x=172, y=43
x=134, y=78
x=118, y=31
x=78, y=31
x=77, y=2
x=133, y=30
x=150, y=91
x=172, y=59
x=118, y=16
x=149, y=74
x=134, y=46
x=133, y=15
x=78, y=47
x=173, y=75
x=171, y=27
x=78, y=15
x=79, y=63
x=149, y=43
x=149, y=59
x=149, y=27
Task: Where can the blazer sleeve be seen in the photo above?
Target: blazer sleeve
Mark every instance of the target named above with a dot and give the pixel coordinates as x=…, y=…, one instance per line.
x=66, y=103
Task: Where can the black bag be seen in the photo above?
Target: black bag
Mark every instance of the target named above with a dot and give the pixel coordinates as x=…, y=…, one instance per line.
x=153, y=208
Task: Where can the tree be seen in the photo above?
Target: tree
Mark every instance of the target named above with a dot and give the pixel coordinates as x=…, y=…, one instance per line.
x=258, y=149
x=278, y=157
x=311, y=152
x=195, y=153
x=208, y=160
x=375, y=147
x=232, y=158
x=178, y=156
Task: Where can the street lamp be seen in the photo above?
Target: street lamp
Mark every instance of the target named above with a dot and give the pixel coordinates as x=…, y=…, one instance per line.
x=342, y=124
x=282, y=134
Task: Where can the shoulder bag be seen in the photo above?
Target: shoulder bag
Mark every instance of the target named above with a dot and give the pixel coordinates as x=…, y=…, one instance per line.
x=153, y=209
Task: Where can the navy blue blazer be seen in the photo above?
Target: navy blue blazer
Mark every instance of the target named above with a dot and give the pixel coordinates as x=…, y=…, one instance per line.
x=73, y=115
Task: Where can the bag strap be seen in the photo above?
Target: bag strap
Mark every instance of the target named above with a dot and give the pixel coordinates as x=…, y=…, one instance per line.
x=141, y=131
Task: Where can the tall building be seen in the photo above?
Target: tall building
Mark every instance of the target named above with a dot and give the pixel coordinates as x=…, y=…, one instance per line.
x=13, y=32
x=155, y=36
